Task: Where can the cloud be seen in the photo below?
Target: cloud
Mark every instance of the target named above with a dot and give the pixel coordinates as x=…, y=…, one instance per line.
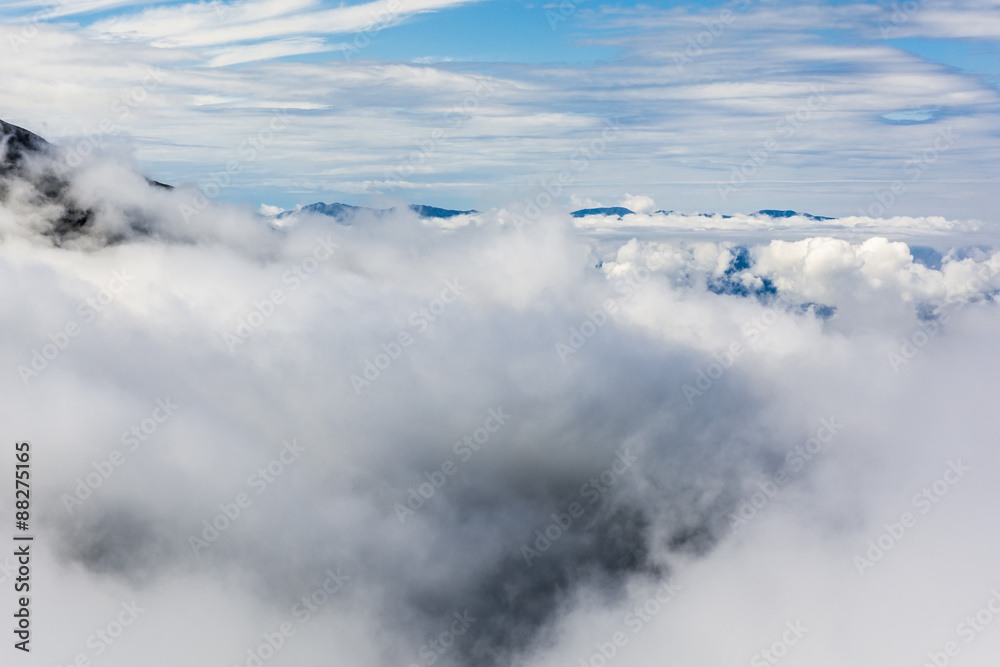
x=267, y=209
x=211, y=24
x=271, y=50
x=561, y=408
x=639, y=203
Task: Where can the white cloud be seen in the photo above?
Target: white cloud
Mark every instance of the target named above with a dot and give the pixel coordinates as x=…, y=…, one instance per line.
x=726, y=343
x=201, y=25
x=348, y=291
x=639, y=203
x=270, y=51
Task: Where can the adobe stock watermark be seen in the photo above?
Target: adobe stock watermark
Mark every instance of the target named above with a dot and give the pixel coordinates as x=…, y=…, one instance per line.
x=626, y=289
x=751, y=329
x=432, y=650
x=87, y=310
x=551, y=188
x=263, y=309
x=779, y=648
x=103, y=638
x=223, y=8
x=259, y=480
x=73, y=156
x=301, y=613
x=795, y=459
x=421, y=319
x=784, y=128
x=464, y=449
x=901, y=14
x=246, y=153
x=592, y=490
x=713, y=29
x=383, y=18
x=635, y=620
x=133, y=438
x=968, y=629
x=455, y=118
x=914, y=169
x=561, y=12
x=913, y=343
x=924, y=500
x=19, y=39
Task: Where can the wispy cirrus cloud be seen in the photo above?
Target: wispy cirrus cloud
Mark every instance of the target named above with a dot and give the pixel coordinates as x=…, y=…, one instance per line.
x=213, y=24
x=294, y=46
x=65, y=8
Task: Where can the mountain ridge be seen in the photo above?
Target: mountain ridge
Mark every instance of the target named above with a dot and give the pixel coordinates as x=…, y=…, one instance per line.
x=338, y=210
x=17, y=143
x=621, y=211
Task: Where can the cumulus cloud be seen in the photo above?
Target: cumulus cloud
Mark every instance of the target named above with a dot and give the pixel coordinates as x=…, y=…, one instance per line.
x=639, y=203
x=498, y=442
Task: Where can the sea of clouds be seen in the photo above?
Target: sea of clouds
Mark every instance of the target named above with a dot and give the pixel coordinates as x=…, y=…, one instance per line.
x=660, y=439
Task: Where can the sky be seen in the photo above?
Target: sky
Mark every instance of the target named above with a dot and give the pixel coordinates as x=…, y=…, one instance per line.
x=477, y=104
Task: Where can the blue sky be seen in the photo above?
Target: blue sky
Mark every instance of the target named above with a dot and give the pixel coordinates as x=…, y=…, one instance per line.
x=374, y=89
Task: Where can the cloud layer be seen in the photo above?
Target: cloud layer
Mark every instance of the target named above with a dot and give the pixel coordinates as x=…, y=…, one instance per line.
x=501, y=442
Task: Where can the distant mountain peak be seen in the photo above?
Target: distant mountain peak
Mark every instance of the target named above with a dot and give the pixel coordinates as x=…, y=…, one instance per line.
x=48, y=181
x=50, y=184
x=772, y=213
x=344, y=212
x=621, y=211
x=17, y=142
x=47, y=177
x=435, y=212
x=607, y=210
